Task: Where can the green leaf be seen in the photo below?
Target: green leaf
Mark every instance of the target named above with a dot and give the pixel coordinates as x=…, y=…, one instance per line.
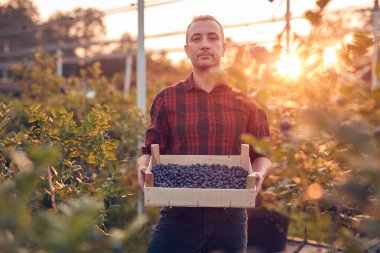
x=74, y=153
x=71, y=115
x=33, y=119
x=263, y=96
x=322, y=3
x=360, y=44
x=53, y=112
x=262, y=146
x=361, y=39
x=62, y=110
x=42, y=156
x=313, y=17
x=34, y=107
x=4, y=122
x=111, y=145
x=91, y=158
x=110, y=156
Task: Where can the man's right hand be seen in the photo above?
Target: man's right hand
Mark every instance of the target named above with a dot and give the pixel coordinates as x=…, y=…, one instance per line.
x=141, y=176
x=142, y=167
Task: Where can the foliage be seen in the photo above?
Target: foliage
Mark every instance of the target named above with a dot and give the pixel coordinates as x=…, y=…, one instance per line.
x=324, y=145
x=72, y=203
x=41, y=85
x=71, y=229
x=67, y=148
x=79, y=150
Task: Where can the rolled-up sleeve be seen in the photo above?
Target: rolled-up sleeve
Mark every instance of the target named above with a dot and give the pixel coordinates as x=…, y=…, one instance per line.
x=158, y=130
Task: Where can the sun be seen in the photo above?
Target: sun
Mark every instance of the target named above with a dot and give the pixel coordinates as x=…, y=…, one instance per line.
x=330, y=57
x=289, y=66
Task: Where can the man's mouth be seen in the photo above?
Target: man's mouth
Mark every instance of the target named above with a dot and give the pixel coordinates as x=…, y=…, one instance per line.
x=205, y=55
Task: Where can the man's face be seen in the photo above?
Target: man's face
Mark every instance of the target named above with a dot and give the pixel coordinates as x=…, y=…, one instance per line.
x=205, y=46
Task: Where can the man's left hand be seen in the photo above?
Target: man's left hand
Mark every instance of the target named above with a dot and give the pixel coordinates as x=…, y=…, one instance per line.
x=259, y=180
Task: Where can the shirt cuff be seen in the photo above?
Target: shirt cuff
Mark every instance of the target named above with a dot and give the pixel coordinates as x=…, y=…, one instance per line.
x=146, y=149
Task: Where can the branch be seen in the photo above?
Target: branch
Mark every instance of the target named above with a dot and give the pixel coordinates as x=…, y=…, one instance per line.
x=303, y=242
x=336, y=226
x=52, y=190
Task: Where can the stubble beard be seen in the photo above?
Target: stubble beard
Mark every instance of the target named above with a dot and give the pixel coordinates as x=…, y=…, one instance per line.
x=201, y=65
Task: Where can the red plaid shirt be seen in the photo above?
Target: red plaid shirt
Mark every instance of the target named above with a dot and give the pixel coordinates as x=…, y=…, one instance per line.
x=186, y=120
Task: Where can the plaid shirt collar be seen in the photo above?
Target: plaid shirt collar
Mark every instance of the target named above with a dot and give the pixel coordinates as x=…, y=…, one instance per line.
x=191, y=85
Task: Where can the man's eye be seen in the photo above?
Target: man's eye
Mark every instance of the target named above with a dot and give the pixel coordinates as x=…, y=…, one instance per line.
x=195, y=39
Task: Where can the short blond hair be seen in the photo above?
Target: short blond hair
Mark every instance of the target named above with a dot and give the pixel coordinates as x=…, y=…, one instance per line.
x=204, y=18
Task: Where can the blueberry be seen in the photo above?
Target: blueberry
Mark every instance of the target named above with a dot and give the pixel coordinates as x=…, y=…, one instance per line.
x=199, y=176
x=285, y=125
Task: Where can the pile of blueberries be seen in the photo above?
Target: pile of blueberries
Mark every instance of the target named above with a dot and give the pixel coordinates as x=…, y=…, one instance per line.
x=215, y=176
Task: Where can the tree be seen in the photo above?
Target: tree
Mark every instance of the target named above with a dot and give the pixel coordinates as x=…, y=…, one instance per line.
x=16, y=19
x=71, y=28
x=21, y=31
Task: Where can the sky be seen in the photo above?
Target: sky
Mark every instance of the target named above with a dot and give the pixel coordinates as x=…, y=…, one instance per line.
x=175, y=17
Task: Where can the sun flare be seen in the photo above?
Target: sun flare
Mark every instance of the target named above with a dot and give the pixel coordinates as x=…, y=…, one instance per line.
x=289, y=66
x=330, y=57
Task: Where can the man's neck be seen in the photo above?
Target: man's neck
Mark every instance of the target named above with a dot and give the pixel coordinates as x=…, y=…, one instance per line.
x=207, y=79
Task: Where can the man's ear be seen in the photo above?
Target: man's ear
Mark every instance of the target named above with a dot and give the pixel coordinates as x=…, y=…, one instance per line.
x=186, y=47
x=224, y=47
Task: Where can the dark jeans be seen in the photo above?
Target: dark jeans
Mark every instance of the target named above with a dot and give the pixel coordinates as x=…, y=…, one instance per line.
x=194, y=230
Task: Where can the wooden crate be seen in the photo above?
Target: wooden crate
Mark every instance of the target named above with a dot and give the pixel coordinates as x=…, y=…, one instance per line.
x=199, y=197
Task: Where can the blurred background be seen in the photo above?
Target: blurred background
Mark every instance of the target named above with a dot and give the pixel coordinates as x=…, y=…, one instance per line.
x=77, y=79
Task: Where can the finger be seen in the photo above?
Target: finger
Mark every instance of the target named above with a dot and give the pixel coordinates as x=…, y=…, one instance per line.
x=142, y=187
x=258, y=179
x=257, y=176
x=143, y=169
x=258, y=182
x=141, y=179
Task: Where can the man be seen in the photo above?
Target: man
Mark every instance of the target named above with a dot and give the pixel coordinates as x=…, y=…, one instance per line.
x=202, y=115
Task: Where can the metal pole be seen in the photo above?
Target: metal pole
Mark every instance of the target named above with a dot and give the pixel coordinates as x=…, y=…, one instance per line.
x=141, y=75
x=59, y=62
x=287, y=27
x=141, y=79
x=375, y=46
x=128, y=73
x=6, y=49
x=5, y=74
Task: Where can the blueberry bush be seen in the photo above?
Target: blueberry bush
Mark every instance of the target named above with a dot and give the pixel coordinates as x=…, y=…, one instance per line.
x=324, y=140
x=66, y=163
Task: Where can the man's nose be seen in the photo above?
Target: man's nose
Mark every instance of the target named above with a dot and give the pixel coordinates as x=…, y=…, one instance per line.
x=205, y=44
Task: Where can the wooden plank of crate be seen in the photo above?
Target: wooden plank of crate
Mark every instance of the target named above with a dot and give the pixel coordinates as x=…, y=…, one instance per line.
x=251, y=181
x=149, y=181
x=154, y=160
x=232, y=160
x=245, y=161
x=150, y=165
x=155, y=150
x=195, y=197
